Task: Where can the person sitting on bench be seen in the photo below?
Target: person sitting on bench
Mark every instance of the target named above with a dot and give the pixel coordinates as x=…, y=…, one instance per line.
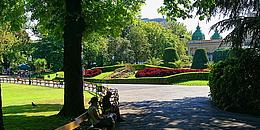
x=107, y=107
x=96, y=119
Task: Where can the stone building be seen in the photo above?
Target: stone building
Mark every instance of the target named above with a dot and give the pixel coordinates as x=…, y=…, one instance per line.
x=198, y=41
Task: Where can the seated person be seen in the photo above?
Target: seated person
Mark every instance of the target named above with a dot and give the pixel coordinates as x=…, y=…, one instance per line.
x=109, y=108
x=96, y=119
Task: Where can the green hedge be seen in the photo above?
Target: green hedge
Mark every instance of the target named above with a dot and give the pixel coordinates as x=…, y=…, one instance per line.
x=156, y=80
x=170, y=55
x=110, y=68
x=234, y=83
x=200, y=59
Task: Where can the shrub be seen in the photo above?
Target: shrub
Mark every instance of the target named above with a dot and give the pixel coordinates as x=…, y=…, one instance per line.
x=200, y=59
x=220, y=54
x=160, y=72
x=169, y=64
x=91, y=73
x=234, y=83
x=170, y=55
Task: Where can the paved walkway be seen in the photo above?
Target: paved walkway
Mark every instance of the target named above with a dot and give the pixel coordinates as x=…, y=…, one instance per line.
x=169, y=107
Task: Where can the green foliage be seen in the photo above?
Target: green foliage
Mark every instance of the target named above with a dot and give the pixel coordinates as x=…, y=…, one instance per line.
x=158, y=37
x=94, y=50
x=11, y=47
x=120, y=50
x=106, y=17
x=220, y=54
x=154, y=61
x=139, y=43
x=169, y=64
x=235, y=13
x=40, y=65
x=178, y=64
x=12, y=12
x=176, y=9
x=110, y=68
x=200, y=59
x=170, y=55
x=156, y=80
x=49, y=49
x=194, y=83
x=234, y=83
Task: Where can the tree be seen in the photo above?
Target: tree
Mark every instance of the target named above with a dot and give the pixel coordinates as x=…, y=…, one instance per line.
x=157, y=38
x=94, y=49
x=200, y=59
x=10, y=44
x=39, y=65
x=50, y=49
x=139, y=44
x=119, y=50
x=79, y=17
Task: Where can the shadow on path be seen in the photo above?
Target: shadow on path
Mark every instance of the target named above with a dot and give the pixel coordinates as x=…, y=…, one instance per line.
x=187, y=113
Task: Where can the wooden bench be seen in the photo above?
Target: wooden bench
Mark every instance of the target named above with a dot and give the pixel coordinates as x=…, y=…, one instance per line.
x=76, y=123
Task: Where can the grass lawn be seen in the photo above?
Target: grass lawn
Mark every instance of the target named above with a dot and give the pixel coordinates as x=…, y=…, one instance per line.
x=20, y=114
x=195, y=83
x=51, y=76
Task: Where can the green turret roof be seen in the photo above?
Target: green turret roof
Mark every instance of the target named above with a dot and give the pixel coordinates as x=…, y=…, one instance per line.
x=216, y=36
x=198, y=35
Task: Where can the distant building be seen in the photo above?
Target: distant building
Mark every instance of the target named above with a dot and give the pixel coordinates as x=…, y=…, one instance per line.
x=198, y=42
x=160, y=20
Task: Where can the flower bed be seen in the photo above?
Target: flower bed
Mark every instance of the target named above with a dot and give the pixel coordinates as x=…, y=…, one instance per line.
x=160, y=72
x=91, y=73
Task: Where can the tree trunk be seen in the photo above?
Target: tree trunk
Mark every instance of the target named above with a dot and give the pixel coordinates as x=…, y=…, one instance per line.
x=73, y=30
x=1, y=113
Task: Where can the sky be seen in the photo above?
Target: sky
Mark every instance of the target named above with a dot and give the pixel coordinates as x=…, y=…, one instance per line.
x=150, y=11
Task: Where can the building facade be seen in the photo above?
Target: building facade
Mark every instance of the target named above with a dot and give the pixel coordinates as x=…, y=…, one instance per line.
x=198, y=42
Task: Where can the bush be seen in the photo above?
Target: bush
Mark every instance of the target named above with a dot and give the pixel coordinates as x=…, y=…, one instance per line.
x=169, y=64
x=170, y=55
x=234, y=83
x=91, y=73
x=220, y=54
x=200, y=59
x=160, y=72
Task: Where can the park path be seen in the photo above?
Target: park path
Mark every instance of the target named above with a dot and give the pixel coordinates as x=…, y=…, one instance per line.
x=170, y=107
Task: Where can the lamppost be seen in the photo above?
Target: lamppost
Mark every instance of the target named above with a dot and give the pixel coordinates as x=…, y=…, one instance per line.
x=29, y=61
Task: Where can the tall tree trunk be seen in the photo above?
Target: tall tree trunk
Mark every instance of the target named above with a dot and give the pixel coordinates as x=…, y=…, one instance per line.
x=1, y=113
x=73, y=30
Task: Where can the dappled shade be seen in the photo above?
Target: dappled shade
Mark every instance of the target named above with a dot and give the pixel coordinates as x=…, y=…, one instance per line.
x=187, y=113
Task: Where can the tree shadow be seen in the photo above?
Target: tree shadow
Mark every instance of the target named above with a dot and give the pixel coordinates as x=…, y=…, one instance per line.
x=187, y=113
x=27, y=117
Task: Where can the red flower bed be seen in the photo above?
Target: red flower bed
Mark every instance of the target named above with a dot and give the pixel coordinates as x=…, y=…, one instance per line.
x=159, y=72
x=91, y=73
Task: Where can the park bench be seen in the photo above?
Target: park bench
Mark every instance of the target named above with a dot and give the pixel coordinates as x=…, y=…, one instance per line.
x=83, y=118
x=76, y=123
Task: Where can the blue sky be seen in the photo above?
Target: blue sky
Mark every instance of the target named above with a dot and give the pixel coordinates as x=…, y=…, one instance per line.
x=150, y=11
